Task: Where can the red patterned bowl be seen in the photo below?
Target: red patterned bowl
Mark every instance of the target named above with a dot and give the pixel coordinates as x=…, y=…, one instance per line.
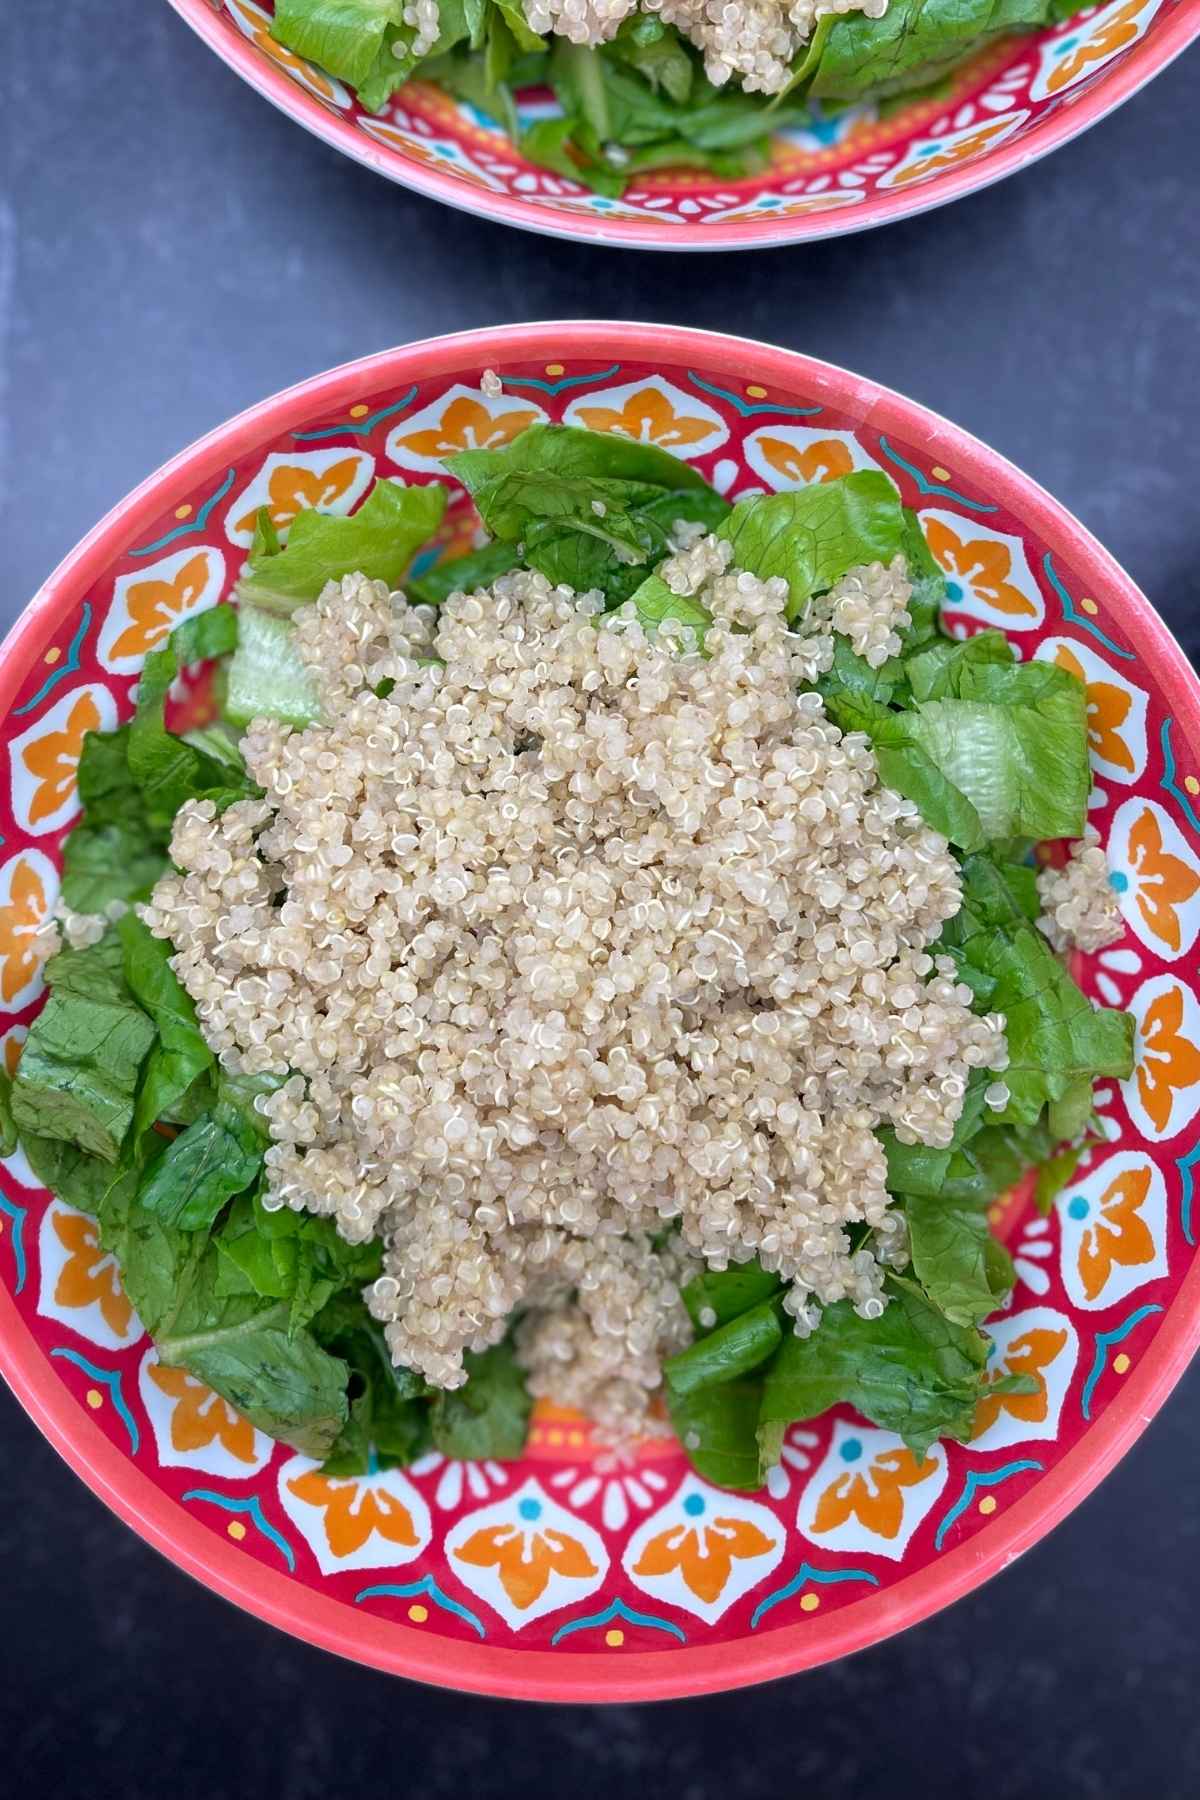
x=1011, y=105
x=577, y=1575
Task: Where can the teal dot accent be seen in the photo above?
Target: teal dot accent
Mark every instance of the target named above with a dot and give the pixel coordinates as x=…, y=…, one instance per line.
x=928, y=150
x=1118, y=880
x=954, y=592
x=851, y=1450
x=530, y=1509
x=1078, y=1207
x=694, y=1504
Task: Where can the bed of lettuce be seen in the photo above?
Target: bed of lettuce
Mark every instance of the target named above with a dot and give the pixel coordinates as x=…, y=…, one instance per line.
x=123, y=1111
x=643, y=101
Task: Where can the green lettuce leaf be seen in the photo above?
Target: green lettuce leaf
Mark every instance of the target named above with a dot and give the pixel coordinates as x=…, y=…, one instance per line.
x=490, y=1415
x=913, y=43
x=180, y=1057
x=718, y=1427
x=912, y=1371
x=961, y=1267
x=811, y=536
x=80, y=1064
x=731, y=1350
x=462, y=574
x=379, y=540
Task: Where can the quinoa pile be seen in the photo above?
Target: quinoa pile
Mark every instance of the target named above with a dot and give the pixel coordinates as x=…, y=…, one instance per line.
x=756, y=40
x=585, y=953
x=1081, y=908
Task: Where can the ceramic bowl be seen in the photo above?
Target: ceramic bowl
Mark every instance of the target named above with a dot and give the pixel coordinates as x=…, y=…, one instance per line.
x=1008, y=107
x=627, y=1577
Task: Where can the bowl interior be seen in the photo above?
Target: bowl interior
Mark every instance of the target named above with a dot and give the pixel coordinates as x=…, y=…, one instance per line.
x=863, y=166
x=578, y=1573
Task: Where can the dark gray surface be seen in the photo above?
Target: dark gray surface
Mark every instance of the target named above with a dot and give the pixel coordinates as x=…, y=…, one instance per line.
x=171, y=250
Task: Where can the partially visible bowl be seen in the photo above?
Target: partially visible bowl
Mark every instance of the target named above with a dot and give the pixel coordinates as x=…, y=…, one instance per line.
x=852, y=1540
x=1011, y=105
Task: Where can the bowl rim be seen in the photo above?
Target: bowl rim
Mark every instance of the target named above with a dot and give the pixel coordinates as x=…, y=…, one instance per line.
x=585, y=1676
x=1171, y=37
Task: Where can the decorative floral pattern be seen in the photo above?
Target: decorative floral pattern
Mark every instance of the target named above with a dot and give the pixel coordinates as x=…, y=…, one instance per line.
x=930, y=156
x=28, y=890
x=526, y=1555
x=328, y=481
x=870, y=1493
x=791, y=456
x=1076, y=53
x=704, y=1549
x=374, y=1521
x=147, y=606
x=461, y=419
x=1157, y=878
x=46, y=756
x=1039, y=1343
x=1163, y=1093
x=194, y=1428
x=1116, y=708
x=987, y=572
x=617, y=1557
x=1113, y=1224
x=81, y=1285
x=652, y=412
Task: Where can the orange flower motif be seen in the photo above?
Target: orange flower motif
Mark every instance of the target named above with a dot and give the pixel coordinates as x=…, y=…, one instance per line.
x=199, y=1416
x=154, y=606
x=293, y=489
x=53, y=759
x=824, y=460
x=948, y=156
x=1119, y=1235
x=983, y=564
x=1169, y=1060
x=875, y=1498
x=526, y=1560
x=649, y=418
x=1030, y=1354
x=468, y=425
x=1164, y=881
x=353, y=1511
x=1107, y=709
x=1112, y=35
x=306, y=73
x=20, y=922
x=89, y=1273
x=704, y=1556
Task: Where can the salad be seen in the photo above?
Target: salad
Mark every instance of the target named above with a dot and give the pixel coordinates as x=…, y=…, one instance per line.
x=613, y=968
x=697, y=84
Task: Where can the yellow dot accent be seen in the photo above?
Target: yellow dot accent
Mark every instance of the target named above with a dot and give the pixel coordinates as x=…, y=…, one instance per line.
x=554, y=1436
x=614, y=1639
x=236, y=1530
x=940, y=474
x=418, y=1613
x=94, y=1398
x=757, y=393
x=987, y=1504
x=809, y=1602
x=575, y=1437
x=52, y=656
x=554, y=368
x=1121, y=1364
x=995, y=1214
x=1089, y=606
x=184, y=511
x=1191, y=784
x=358, y=412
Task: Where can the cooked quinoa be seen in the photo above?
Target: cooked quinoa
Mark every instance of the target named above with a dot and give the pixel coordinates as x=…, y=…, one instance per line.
x=584, y=953
x=1081, y=908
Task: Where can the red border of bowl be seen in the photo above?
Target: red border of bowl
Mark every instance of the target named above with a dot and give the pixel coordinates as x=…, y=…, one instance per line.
x=1131, y=73
x=546, y=1675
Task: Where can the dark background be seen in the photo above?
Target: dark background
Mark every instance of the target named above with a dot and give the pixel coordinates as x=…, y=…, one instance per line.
x=172, y=249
